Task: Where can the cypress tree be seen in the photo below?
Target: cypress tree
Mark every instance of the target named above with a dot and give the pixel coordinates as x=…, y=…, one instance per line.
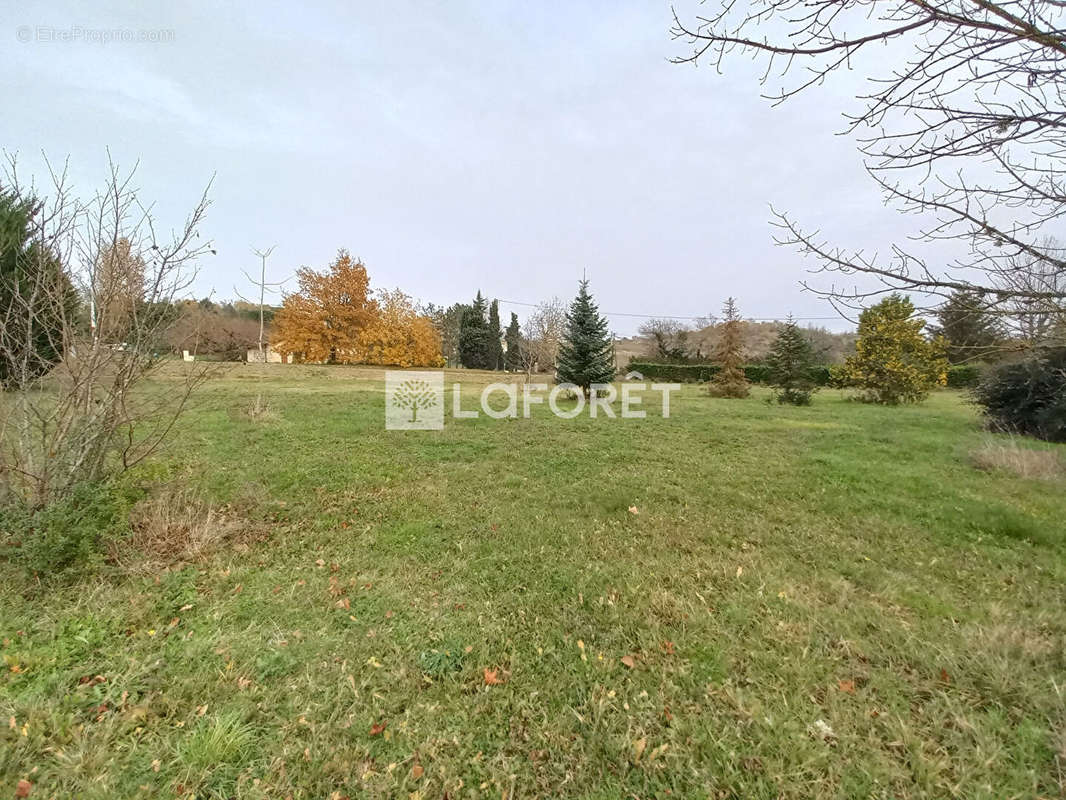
x=513, y=337
x=473, y=338
x=730, y=380
x=494, y=342
x=791, y=359
x=587, y=352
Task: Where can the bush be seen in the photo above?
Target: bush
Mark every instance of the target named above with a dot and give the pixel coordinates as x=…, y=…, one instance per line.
x=964, y=376
x=66, y=533
x=894, y=363
x=1028, y=397
x=701, y=373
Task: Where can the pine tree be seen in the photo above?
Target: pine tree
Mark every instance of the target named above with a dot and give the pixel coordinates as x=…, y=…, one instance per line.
x=730, y=380
x=473, y=335
x=587, y=352
x=37, y=301
x=971, y=332
x=494, y=343
x=513, y=337
x=790, y=360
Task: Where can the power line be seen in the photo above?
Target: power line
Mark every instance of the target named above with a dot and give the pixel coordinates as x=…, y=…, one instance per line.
x=675, y=316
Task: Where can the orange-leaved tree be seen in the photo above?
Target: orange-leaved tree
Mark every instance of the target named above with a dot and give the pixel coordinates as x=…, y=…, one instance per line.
x=325, y=319
x=399, y=336
x=334, y=318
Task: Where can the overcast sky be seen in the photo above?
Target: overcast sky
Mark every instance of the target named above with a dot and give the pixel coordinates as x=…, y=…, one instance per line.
x=451, y=145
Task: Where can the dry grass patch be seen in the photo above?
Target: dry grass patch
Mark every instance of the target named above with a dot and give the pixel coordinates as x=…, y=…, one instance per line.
x=1011, y=456
x=260, y=410
x=175, y=525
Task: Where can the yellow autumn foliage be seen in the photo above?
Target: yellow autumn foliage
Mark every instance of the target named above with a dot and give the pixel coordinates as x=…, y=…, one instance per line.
x=893, y=361
x=334, y=318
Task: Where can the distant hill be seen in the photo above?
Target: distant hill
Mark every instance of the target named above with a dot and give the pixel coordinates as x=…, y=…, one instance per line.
x=831, y=347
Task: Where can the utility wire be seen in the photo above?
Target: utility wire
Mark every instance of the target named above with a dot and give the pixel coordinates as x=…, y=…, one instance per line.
x=674, y=316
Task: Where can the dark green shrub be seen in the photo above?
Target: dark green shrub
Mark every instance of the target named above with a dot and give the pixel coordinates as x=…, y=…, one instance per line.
x=964, y=376
x=66, y=533
x=1028, y=397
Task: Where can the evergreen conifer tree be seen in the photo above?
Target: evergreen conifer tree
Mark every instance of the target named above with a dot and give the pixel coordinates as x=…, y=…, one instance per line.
x=971, y=332
x=791, y=359
x=37, y=300
x=513, y=337
x=730, y=380
x=473, y=335
x=494, y=342
x=587, y=352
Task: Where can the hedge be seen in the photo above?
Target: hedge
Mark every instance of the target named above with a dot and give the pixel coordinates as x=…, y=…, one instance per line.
x=961, y=376
x=700, y=373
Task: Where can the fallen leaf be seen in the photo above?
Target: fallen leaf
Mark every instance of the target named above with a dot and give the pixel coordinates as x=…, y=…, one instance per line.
x=944, y=677
x=378, y=728
x=417, y=771
x=23, y=788
x=847, y=687
x=156, y=763
x=638, y=748
x=492, y=677
x=629, y=661
x=668, y=648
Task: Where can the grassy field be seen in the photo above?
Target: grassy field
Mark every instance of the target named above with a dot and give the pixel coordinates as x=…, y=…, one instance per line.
x=742, y=600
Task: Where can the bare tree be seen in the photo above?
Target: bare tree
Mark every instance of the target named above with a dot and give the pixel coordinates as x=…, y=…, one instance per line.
x=668, y=339
x=967, y=128
x=264, y=286
x=542, y=334
x=1033, y=312
x=92, y=414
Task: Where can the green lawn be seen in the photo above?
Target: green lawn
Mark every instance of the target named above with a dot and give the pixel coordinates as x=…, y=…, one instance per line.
x=807, y=602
